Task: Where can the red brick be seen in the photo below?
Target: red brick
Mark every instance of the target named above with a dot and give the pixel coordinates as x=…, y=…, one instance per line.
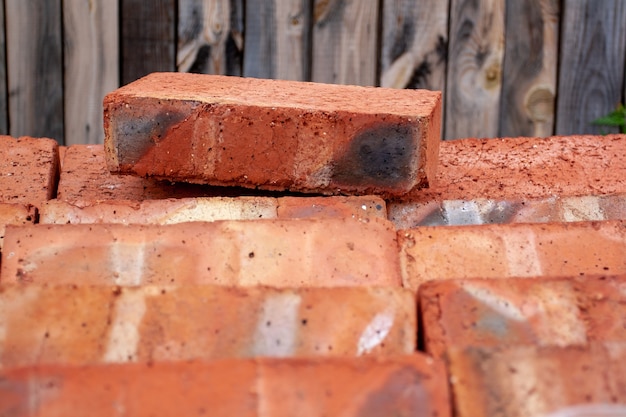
x=573, y=381
x=552, y=209
x=167, y=211
x=403, y=386
x=15, y=214
x=273, y=134
x=220, y=388
x=303, y=252
x=524, y=168
x=512, y=250
x=336, y=206
x=28, y=170
x=101, y=324
x=504, y=312
x=413, y=385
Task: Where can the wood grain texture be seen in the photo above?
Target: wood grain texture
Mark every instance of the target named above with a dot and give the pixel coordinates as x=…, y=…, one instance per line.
x=35, y=68
x=4, y=116
x=345, y=36
x=210, y=36
x=591, y=75
x=474, y=76
x=414, y=44
x=148, y=36
x=91, y=42
x=277, y=44
x=530, y=68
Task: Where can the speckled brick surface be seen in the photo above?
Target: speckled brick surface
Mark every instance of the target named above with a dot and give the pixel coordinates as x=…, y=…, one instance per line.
x=28, y=169
x=15, y=214
x=100, y=324
x=411, y=385
x=271, y=134
x=282, y=253
x=530, y=311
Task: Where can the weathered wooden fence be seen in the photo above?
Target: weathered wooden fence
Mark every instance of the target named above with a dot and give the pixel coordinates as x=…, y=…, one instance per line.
x=506, y=67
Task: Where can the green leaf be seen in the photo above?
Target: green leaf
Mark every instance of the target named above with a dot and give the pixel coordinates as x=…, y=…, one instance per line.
x=615, y=118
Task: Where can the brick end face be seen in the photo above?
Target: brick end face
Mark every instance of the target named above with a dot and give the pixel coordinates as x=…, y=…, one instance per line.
x=310, y=142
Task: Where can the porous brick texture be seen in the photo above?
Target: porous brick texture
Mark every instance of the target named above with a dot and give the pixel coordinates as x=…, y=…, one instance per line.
x=274, y=134
x=499, y=290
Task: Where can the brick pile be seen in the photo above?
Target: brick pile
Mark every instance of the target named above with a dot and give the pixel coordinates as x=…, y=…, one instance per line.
x=181, y=270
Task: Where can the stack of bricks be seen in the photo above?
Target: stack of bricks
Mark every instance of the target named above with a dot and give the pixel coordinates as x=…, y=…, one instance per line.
x=270, y=248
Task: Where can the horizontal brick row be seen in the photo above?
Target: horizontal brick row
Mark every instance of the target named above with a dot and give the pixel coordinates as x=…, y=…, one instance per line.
x=412, y=385
x=82, y=324
x=523, y=311
x=15, y=214
x=276, y=135
x=281, y=253
x=554, y=209
x=512, y=250
x=552, y=381
x=169, y=211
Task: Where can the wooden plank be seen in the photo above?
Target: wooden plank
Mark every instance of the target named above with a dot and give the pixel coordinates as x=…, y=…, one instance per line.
x=35, y=68
x=530, y=68
x=474, y=68
x=414, y=44
x=345, y=36
x=148, y=37
x=591, y=75
x=278, y=39
x=91, y=57
x=4, y=116
x=210, y=36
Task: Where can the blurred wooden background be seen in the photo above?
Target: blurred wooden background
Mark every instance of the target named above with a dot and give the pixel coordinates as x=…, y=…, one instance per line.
x=506, y=67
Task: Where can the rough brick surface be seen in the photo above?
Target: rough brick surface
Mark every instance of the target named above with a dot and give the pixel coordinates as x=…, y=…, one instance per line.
x=15, y=214
x=504, y=312
x=99, y=324
x=552, y=209
x=401, y=386
x=551, y=381
x=274, y=135
x=28, y=170
x=337, y=206
x=512, y=250
x=512, y=168
x=302, y=252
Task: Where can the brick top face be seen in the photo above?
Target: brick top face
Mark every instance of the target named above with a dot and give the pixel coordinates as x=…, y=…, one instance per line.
x=281, y=93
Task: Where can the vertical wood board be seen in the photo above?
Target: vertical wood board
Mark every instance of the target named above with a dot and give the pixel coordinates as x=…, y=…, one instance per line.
x=414, y=44
x=210, y=36
x=277, y=40
x=148, y=34
x=474, y=75
x=345, y=41
x=91, y=43
x=591, y=77
x=530, y=68
x=4, y=116
x=35, y=68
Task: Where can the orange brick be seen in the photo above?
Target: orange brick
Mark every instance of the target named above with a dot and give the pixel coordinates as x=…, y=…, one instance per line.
x=404, y=386
x=336, y=206
x=101, y=324
x=523, y=168
x=166, y=211
x=512, y=250
x=15, y=214
x=504, y=312
x=553, y=381
x=221, y=388
x=283, y=253
x=273, y=134
x=552, y=209
x=28, y=170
